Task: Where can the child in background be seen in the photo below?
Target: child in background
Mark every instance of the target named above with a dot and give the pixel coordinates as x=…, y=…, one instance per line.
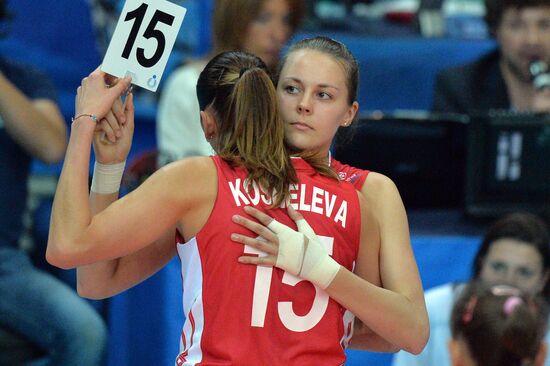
x=498, y=326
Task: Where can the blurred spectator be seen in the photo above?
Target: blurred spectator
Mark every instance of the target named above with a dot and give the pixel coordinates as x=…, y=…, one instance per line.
x=40, y=317
x=515, y=251
x=260, y=27
x=501, y=79
x=498, y=326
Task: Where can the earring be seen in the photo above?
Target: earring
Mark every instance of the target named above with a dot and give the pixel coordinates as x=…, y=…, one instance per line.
x=209, y=138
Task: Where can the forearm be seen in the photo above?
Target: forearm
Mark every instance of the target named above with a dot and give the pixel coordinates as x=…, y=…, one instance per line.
x=389, y=314
x=108, y=278
x=71, y=211
x=385, y=222
x=372, y=342
x=93, y=279
x=37, y=126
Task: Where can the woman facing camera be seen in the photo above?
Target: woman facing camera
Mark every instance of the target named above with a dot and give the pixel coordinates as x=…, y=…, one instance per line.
x=261, y=27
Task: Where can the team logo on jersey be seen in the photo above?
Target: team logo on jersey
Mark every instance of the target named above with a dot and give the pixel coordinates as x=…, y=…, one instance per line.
x=342, y=175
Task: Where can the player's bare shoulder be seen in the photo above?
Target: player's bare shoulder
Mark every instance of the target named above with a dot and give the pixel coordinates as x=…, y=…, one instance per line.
x=194, y=174
x=379, y=187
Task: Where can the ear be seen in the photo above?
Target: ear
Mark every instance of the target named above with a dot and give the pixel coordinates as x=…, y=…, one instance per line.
x=350, y=114
x=208, y=123
x=541, y=354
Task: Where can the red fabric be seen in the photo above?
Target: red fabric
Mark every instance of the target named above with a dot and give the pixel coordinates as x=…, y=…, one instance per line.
x=350, y=174
x=228, y=287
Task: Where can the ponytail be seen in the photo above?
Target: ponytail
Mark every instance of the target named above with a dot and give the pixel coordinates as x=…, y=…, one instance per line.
x=250, y=129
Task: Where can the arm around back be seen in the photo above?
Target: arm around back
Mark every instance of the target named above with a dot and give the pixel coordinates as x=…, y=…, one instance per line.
x=171, y=196
x=398, y=269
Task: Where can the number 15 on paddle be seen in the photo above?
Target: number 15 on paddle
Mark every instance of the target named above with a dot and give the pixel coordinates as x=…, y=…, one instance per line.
x=143, y=39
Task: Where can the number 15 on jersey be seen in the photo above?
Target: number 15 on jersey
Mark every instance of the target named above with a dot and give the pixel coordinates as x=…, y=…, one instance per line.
x=143, y=39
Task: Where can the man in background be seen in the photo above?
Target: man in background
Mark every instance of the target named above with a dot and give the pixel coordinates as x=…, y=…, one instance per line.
x=502, y=78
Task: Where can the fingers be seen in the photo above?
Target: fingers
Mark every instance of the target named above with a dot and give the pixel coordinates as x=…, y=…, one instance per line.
x=255, y=227
x=111, y=127
x=268, y=261
x=129, y=111
x=117, y=110
x=259, y=215
x=294, y=215
x=116, y=87
x=121, y=86
x=257, y=243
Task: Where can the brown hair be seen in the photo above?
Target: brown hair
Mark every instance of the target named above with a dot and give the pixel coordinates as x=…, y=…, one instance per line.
x=494, y=9
x=232, y=18
x=520, y=226
x=250, y=129
x=341, y=54
x=338, y=51
x=500, y=325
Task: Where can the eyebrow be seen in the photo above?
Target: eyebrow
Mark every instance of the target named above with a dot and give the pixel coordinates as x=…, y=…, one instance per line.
x=297, y=80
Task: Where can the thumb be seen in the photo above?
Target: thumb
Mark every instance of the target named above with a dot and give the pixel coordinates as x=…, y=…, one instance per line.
x=301, y=223
x=305, y=229
x=120, y=87
x=293, y=214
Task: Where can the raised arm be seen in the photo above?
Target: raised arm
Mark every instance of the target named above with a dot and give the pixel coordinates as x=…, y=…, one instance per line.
x=112, y=141
x=129, y=224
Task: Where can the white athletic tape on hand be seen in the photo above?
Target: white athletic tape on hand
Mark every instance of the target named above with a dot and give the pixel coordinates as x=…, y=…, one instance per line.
x=107, y=177
x=316, y=264
x=305, y=229
x=318, y=267
x=291, y=247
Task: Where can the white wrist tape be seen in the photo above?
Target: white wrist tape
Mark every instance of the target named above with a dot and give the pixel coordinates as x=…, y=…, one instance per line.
x=318, y=267
x=107, y=177
x=312, y=264
x=318, y=264
x=291, y=247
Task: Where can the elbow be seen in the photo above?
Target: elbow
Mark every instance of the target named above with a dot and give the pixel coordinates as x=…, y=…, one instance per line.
x=419, y=338
x=58, y=259
x=60, y=255
x=89, y=292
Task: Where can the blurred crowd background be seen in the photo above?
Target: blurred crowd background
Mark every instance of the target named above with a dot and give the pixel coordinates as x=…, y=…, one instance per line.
x=446, y=164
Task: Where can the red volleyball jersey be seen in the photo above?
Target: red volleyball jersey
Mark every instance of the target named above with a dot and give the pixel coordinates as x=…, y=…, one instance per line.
x=241, y=314
x=350, y=174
